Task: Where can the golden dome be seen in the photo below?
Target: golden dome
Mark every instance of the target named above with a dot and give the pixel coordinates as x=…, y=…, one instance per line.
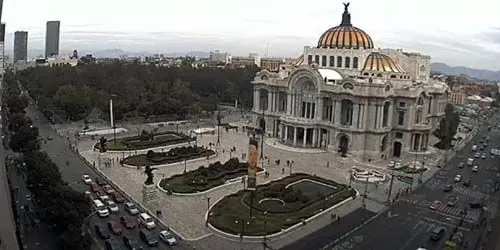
x=345, y=36
x=381, y=63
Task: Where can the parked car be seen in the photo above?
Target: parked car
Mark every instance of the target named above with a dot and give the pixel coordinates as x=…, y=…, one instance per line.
x=475, y=168
x=458, y=178
x=114, y=227
x=86, y=179
x=94, y=187
x=448, y=188
x=435, y=204
x=452, y=200
x=437, y=233
x=477, y=155
x=131, y=244
x=111, y=245
x=118, y=197
x=483, y=156
x=112, y=206
x=475, y=204
x=461, y=164
x=168, y=238
x=108, y=189
x=131, y=208
x=100, y=181
x=103, y=234
x=102, y=196
x=128, y=222
x=147, y=221
x=148, y=237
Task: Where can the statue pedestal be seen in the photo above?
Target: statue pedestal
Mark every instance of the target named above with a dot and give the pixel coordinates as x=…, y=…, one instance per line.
x=149, y=193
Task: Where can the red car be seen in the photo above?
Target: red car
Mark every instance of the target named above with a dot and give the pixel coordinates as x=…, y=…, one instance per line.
x=114, y=227
x=118, y=197
x=128, y=222
x=95, y=187
x=108, y=189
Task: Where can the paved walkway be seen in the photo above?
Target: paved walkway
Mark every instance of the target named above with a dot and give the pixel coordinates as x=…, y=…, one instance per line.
x=190, y=222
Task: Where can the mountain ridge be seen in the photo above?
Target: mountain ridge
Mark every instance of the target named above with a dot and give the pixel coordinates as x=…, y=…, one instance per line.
x=461, y=70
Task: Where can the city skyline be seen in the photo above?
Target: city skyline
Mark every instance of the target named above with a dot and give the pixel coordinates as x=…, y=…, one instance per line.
x=241, y=28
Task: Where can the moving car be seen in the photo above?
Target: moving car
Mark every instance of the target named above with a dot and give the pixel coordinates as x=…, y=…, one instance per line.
x=86, y=179
x=477, y=155
x=112, y=206
x=103, y=234
x=476, y=204
x=437, y=233
x=131, y=244
x=131, y=208
x=114, y=227
x=100, y=208
x=470, y=161
x=448, y=188
x=452, y=200
x=475, y=168
x=148, y=237
x=102, y=196
x=461, y=164
x=435, y=204
x=474, y=147
x=128, y=222
x=458, y=178
x=168, y=238
x=483, y=156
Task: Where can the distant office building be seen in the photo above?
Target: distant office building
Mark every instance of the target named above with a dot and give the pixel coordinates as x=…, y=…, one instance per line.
x=52, y=39
x=20, y=46
x=218, y=56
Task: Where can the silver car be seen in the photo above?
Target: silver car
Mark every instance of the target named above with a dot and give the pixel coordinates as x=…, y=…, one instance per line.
x=131, y=208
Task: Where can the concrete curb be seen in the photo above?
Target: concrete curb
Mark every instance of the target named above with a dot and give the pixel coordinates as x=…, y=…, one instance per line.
x=275, y=236
x=233, y=181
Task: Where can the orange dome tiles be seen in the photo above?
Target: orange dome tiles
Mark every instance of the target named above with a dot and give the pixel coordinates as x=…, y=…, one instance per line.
x=345, y=37
x=381, y=63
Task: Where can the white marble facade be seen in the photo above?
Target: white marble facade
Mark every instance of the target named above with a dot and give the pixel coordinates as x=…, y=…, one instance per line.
x=350, y=98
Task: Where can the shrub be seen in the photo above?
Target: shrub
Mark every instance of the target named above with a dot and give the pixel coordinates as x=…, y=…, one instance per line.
x=290, y=197
x=277, y=187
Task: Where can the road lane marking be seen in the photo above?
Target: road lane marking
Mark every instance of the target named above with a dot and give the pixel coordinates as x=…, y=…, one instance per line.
x=414, y=234
x=439, y=222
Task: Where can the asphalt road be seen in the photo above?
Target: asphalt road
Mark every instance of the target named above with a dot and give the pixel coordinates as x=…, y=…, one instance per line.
x=410, y=221
x=72, y=168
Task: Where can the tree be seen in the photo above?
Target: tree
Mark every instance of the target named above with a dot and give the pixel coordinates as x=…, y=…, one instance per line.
x=447, y=127
x=16, y=103
x=17, y=121
x=26, y=140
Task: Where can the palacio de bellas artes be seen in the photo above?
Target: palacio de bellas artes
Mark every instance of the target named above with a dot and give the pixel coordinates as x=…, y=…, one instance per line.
x=347, y=97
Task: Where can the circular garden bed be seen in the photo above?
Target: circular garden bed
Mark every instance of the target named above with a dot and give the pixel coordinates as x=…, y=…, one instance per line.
x=303, y=196
x=174, y=155
x=146, y=140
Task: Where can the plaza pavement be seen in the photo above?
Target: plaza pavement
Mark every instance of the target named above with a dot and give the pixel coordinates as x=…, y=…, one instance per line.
x=186, y=214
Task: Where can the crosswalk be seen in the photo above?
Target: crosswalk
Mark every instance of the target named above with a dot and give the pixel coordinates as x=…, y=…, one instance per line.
x=457, y=188
x=472, y=215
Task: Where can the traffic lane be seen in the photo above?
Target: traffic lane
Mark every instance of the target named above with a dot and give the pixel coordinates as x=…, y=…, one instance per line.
x=402, y=231
x=327, y=235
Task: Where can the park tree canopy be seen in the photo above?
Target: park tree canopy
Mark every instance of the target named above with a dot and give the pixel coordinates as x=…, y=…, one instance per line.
x=447, y=127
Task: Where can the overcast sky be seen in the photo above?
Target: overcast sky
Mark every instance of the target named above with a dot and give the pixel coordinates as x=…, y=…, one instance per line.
x=455, y=32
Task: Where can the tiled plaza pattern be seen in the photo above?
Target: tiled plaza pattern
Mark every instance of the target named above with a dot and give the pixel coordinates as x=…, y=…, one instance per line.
x=186, y=214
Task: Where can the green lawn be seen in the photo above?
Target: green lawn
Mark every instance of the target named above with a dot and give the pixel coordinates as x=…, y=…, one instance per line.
x=146, y=141
x=174, y=155
x=301, y=201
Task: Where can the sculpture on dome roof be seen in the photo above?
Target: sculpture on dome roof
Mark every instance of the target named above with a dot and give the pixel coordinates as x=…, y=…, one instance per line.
x=346, y=17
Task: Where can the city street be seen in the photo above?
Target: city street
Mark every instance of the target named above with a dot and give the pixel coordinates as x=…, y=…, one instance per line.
x=407, y=225
x=72, y=168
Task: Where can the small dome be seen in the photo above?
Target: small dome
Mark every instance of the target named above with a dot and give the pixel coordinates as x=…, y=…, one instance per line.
x=345, y=36
x=381, y=63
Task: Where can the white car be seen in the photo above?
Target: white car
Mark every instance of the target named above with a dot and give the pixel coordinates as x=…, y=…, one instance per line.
x=112, y=206
x=168, y=238
x=483, y=156
x=131, y=208
x=86, y=179
x=458, y=178
x=477, y=155
x=475, y=168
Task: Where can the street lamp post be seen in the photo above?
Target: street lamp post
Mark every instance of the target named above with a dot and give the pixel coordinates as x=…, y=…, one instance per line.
x=264, y=239
x=262, y=136
x=290, y=167
x=208, y=203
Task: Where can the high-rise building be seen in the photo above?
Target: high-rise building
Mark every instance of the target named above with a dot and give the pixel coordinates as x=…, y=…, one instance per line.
x=20, y=46
x=52, y=39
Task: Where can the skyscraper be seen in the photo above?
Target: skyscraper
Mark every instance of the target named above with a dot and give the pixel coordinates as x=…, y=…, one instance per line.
x=52, y=38
x=20, y=46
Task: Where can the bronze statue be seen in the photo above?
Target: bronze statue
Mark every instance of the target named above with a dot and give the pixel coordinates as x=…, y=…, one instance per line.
x=346, y=5
x=102, y=144
x=149, y=172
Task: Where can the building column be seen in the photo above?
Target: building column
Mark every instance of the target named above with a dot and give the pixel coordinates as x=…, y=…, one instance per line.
x=269, y=100
x=338, y=107
x=389, y=119
x=305, y=137
x=315, y=137
x=288, y=104
x=294, y=136
x=355, y=115
x=256, y=99
x=286, y=133
x=293, y=104
x=319, y=110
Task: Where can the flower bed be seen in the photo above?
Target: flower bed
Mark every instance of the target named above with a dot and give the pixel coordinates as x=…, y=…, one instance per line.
x=205, y=178
x=146, y=140
x=174, y=155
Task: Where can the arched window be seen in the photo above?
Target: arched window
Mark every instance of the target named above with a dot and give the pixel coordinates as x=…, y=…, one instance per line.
x=354, y=62
x=379, y=75
x=385, y=118
x=393, y=76
x=346, y=111
x=323, y=61
x=316, y=59
x=309, y=59
x=347, y=62
x=339, y=62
